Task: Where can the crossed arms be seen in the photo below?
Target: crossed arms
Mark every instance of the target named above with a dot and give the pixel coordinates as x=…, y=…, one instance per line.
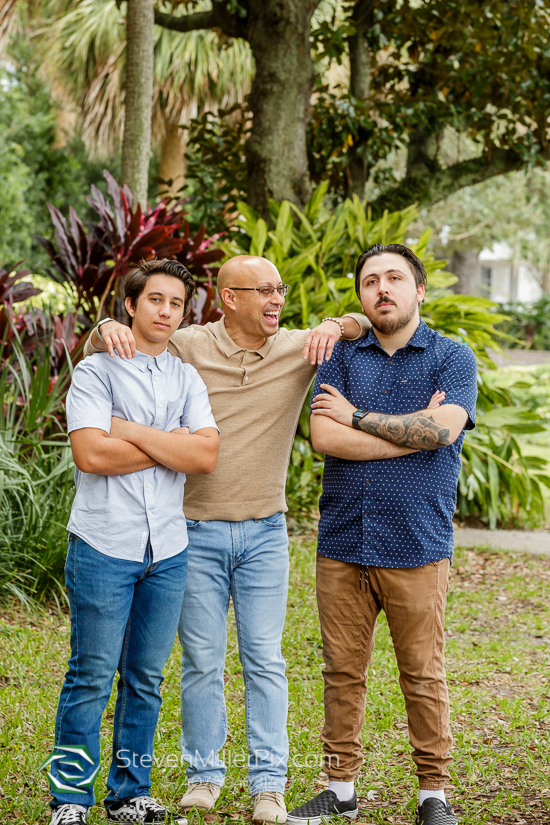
x=131, y=447
x=381, y=435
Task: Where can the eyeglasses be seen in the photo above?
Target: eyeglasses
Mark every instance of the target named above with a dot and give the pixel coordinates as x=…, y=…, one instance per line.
x=265, y=291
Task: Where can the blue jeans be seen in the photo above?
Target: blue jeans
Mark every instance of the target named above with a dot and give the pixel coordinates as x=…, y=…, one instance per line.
x=124, y=614
x=249, y=561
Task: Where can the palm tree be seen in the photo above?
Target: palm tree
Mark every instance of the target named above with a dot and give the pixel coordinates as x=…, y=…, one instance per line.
x=83, y=47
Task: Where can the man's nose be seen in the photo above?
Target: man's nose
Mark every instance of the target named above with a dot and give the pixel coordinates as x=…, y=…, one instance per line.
x=165, y=309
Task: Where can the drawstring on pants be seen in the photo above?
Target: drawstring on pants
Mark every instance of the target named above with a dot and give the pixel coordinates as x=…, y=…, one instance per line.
x=363, y=576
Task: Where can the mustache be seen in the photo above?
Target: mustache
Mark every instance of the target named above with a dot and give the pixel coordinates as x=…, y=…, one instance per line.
x=384, y=301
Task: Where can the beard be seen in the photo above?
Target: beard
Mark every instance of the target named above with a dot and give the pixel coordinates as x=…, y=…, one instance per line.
x=389, y=326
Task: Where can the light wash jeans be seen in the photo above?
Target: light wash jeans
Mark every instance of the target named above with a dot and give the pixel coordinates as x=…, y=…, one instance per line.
x=124, y=614
x=247, y=560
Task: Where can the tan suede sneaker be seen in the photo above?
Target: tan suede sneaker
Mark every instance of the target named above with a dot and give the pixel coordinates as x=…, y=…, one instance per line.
x=200, y=795
x=269, y=806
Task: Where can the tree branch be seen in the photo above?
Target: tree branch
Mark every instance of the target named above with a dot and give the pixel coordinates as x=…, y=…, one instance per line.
x=425, y=190
x=217, y=18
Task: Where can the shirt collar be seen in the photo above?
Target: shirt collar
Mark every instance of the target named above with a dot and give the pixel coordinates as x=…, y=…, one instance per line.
x=141, y=360
x=419, y=340
x=228, y=345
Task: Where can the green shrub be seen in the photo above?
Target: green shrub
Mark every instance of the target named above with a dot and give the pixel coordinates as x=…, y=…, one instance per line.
x=528, y=324
x=36, y=486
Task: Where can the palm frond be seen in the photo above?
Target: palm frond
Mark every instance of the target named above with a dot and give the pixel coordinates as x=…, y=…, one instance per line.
x=83, y=43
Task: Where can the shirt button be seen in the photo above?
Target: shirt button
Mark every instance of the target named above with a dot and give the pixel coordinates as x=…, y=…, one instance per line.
x=149, y=512
x=156, y=379
x=391, y=362
x=367, y=481
x=366, y=512
x=383, y=392
x=246, y=378
x=148, y=485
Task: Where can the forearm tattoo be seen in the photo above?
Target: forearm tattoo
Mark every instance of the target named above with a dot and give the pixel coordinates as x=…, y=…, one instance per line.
x=417, y=431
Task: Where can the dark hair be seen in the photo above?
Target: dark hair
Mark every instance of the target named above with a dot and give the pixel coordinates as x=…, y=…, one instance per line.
x=398, y=249
x=135, y=280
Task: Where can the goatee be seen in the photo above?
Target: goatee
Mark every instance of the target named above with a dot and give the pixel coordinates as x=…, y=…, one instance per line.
x=389, y=326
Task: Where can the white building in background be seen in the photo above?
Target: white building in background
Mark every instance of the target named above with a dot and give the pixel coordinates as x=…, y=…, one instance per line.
x=502, y=279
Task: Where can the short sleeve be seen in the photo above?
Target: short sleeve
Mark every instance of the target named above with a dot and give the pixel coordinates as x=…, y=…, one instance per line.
x=331, y=372
x=458, y=380
x=197, y=413
x=90, y=399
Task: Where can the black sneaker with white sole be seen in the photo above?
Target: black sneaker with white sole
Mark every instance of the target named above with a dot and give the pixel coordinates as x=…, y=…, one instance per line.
x=142, y=810
x=435, y=812
x=321, y=808
x=68, y=814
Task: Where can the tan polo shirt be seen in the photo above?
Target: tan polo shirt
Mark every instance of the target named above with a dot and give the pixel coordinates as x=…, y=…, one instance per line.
x=256, y=398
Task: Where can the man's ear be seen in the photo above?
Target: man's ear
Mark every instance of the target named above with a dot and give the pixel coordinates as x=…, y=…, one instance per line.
x=228, y=298
x=129, y=307
x=421, y=293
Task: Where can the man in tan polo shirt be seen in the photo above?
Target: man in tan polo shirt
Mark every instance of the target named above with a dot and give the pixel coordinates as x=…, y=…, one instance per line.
x=257, y=377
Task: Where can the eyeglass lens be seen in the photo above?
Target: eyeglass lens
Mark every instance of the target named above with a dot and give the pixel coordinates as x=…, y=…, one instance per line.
x=269, y=290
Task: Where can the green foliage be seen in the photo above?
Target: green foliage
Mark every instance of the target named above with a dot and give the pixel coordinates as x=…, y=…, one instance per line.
x=216, y=167
x=34, y=169
x=528, y=324
x=499, y=483
x=315, y=252
x=36, y=485
x=476, y=68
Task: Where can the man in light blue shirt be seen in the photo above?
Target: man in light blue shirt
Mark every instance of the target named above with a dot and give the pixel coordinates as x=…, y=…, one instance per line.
x=137, y=427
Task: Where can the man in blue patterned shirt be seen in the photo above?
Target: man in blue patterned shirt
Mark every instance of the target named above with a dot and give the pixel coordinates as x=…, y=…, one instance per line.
x=389, y=411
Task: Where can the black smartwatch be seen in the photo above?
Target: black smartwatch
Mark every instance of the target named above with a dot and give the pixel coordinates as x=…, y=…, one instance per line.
x=358, y=415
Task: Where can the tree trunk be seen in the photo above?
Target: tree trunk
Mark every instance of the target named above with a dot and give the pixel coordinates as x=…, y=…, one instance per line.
x=465, y=266
x=278, y=33
x=138, y=99
x=172, y=160
x=359, y=86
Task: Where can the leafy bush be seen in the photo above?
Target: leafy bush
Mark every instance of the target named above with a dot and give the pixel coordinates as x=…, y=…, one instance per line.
x=34, y=167
x=315, y=252
x=528, y=324
x=36, y=487
x=94, y=262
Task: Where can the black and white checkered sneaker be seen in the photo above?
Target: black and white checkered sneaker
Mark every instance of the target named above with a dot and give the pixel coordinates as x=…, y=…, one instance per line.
x=68, y=814
x=142, y=810
x=321, y=808
x=435, y=812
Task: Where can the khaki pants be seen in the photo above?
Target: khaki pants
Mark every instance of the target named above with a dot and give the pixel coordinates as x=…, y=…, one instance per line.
x=413, y=600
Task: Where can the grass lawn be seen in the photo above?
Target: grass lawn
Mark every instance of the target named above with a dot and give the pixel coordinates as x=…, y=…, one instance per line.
x=498, y=657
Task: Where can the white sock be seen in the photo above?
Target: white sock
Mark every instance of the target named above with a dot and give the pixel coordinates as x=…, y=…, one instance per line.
x=343, y=790
x=423, y=795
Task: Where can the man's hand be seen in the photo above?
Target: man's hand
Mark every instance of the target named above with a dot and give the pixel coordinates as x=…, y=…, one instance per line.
x=117, y=336
x=333, y=404
x=320, y=342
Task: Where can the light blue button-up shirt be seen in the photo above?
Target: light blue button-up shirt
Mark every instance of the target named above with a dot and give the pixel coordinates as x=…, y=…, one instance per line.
x=117, y=515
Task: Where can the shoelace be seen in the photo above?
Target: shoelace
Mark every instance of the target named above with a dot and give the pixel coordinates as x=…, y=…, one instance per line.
x=144, y=804
x=272, y=795
x=69, y=814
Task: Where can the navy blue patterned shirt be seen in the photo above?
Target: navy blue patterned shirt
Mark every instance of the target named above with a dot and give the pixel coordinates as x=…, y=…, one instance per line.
x=395, y=512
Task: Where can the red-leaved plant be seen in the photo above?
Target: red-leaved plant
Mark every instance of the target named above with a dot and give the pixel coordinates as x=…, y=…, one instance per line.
x=95, y=260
